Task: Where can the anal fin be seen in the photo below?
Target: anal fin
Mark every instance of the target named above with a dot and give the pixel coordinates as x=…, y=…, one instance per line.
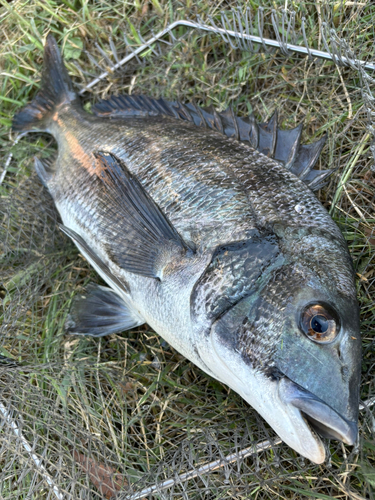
x=100, y=311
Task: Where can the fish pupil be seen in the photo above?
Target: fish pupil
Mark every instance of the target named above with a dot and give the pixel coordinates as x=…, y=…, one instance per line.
x=319, y=324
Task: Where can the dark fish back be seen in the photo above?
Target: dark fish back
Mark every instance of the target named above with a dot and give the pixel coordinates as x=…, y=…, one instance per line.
x=205, y=183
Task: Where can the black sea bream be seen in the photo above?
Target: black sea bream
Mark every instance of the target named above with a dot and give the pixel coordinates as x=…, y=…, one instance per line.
x=206, y=227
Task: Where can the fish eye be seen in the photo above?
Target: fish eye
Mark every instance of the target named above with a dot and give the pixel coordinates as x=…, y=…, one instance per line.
x=320, y=323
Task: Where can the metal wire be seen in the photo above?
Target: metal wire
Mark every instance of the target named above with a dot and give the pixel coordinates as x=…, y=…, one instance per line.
x=203, y=469
x=233, y=29
x=12, y=424
x=238, y=33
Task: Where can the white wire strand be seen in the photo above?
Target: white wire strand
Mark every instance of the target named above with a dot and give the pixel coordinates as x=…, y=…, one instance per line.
x=203, y=469
x=282, y=45
x=9, y=420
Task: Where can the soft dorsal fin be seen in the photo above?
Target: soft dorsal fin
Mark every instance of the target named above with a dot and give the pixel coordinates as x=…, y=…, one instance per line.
x=282, y=145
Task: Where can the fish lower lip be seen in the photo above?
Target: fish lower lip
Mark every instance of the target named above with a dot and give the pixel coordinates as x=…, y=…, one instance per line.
x=328, y=432
x=323, y=419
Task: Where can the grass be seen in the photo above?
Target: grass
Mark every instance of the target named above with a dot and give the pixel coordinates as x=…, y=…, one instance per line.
x=130, y=402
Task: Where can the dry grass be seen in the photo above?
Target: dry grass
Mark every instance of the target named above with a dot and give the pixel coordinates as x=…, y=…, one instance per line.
x=129, y=402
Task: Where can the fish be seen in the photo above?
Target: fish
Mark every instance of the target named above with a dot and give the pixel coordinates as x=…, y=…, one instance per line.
x=205, y=226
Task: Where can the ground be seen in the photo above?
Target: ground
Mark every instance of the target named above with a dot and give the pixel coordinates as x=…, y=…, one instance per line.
x=102, y=413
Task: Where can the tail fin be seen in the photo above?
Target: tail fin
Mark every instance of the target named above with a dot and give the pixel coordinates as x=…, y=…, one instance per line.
x=56, y=88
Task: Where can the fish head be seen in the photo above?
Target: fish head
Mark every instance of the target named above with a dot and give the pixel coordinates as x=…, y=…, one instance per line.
x=292, y=349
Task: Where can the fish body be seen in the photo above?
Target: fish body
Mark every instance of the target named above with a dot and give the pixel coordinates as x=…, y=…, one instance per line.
x=220, y=248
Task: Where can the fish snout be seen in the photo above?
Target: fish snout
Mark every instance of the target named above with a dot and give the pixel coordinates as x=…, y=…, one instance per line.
x=320, y=416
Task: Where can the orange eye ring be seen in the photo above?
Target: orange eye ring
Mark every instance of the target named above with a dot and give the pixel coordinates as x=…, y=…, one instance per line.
x=320, y=323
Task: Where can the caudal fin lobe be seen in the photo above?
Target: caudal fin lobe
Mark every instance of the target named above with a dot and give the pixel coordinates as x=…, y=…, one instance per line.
x=56, y=88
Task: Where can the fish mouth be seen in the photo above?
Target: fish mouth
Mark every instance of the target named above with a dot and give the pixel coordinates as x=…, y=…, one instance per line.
x=320, y=417
x=298, y=416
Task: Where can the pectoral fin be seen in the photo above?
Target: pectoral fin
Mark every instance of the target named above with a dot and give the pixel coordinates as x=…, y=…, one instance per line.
x=100, y=311
x=145, y=240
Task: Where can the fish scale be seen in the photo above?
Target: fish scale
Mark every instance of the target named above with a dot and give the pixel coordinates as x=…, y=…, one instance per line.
x=206, y=197
x=205, y=226
x=214, y=188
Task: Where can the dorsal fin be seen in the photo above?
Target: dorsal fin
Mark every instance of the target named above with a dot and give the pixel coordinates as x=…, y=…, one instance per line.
x=281, y=145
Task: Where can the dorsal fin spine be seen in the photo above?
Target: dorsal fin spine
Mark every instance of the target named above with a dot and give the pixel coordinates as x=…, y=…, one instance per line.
x=235, y=124
x=281, y=145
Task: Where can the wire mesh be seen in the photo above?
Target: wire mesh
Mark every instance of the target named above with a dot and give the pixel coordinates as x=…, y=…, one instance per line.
x=126, y=416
